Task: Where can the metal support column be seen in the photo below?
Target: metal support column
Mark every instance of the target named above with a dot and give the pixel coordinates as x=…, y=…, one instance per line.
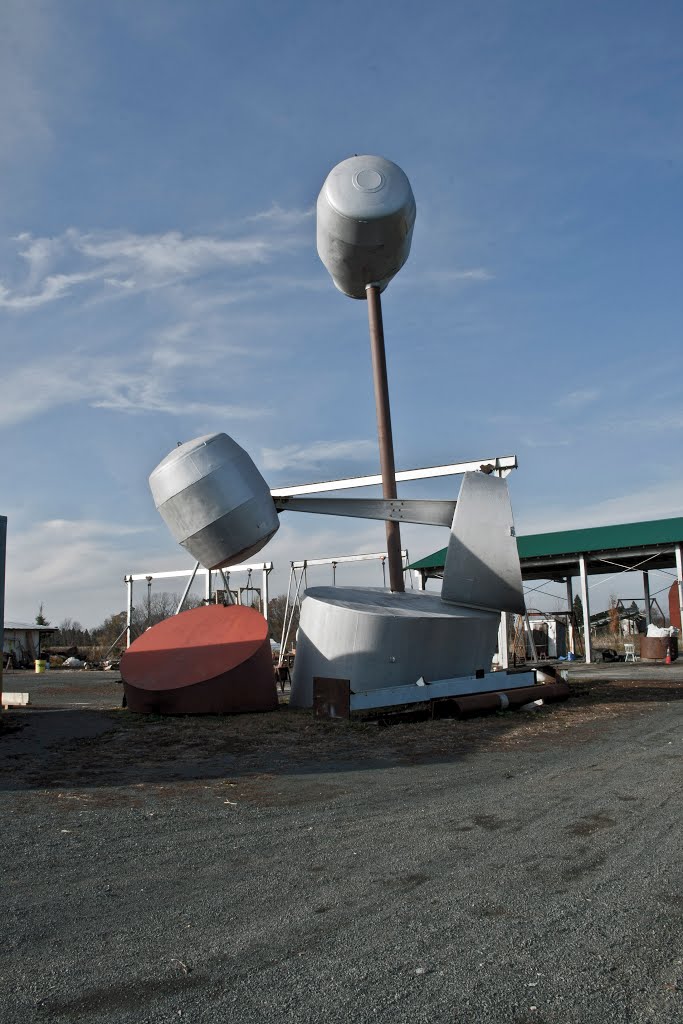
x=264, y=594
x=386, y=443
x=679, y=575
x=3, y=549
x=646, y=595
x=129, y=609
x=586, y=609
x=530, y=634
x=570, y=618
x=186, y=591
x=503, y=641
x=207, y=592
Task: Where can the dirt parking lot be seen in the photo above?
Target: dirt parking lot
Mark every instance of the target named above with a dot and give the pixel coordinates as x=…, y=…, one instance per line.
x=525, y=867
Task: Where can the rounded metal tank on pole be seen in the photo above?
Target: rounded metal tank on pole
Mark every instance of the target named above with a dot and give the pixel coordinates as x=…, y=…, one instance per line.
x=214, y=500
x=365, y=219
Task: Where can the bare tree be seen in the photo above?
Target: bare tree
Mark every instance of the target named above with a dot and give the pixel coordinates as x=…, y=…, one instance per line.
x=162, y=605
x=276, y=618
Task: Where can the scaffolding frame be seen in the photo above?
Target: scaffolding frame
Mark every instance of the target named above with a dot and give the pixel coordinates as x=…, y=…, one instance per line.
x=265, y=568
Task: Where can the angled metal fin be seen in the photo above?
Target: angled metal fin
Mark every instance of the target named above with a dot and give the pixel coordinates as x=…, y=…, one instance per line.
x=482, y=564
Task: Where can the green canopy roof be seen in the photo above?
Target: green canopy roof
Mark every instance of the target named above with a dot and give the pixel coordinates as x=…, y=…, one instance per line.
x=621, y=537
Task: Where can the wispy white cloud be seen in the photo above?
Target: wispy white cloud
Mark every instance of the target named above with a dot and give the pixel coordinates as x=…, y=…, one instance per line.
x=455, y=275
x=197, y=343
x=120, y=263
x=283, y=218
x=316, y=454
x=73, y=566
x=54, y=286
x=583, y=396
x=98, y=382
x=58, y=530
x=659, y=501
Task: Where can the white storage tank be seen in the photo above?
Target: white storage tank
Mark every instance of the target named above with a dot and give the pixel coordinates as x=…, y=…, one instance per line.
x=214, y=500
x=365, y=218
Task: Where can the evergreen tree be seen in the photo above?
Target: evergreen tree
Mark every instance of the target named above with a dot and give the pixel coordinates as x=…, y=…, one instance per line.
x=578, y=611
x=40, y=618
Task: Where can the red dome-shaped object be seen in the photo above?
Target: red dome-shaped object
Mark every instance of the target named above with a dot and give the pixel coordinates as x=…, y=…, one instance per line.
x=208, y=660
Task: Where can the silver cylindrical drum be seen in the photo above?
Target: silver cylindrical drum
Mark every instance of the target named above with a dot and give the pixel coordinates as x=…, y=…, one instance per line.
x=365, y=218
x=214, y=500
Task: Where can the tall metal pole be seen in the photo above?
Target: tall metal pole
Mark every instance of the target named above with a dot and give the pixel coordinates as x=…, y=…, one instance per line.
x=570, y=617
x=586, y=610
x=264, y=593
x=646, y=595
x=386, y=442
x=679, y=578
x=3, y=545
x=129, y=609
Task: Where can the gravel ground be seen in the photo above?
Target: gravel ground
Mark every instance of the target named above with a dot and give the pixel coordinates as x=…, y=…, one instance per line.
x=268, y=868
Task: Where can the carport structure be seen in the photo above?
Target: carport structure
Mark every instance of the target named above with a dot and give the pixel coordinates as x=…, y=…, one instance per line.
x=656, y=544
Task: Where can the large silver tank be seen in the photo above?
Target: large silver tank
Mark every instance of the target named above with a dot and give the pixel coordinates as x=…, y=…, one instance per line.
x=214, y=500
x=365, y=218
x=377, y=639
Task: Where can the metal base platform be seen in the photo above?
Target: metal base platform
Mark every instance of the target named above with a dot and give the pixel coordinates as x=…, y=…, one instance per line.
x=390, y=696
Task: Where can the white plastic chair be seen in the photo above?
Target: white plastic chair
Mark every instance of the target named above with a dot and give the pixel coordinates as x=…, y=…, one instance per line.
x=630, y=652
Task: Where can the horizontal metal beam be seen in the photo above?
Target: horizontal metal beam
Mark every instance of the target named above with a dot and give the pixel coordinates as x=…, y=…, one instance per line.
x=502, y=463
x=343, y=558
x=255, y=567
x=396, y=510
x=600, y=563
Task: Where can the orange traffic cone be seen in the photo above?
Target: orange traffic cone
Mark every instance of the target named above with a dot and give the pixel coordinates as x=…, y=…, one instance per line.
x=667, y=660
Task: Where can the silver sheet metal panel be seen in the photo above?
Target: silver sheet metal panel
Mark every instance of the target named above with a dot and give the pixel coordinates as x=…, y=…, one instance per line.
x=376, y=639
x=365, y=219
x=214, y=500
x=482, y=563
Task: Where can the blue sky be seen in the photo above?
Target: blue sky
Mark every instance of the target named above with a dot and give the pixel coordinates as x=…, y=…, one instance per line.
x=159, y=277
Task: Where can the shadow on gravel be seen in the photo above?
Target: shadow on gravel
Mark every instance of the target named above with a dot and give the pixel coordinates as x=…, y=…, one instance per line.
x=86, y=749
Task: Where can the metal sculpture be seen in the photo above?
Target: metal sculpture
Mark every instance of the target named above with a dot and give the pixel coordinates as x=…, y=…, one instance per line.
x=389, y=644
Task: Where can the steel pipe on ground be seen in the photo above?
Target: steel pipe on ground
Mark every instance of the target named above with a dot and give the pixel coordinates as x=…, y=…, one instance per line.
x=481, y=703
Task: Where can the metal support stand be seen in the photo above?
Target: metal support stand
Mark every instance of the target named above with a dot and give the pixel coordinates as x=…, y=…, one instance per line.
x=586, y=610
x=503, y=657
x=530, y=634
x=646, y=595
x=186, y=591
x=386, y=443
x=3, y=545
x=571, y=641
x=264, y=593
x=679, y=578
x=129, y=610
